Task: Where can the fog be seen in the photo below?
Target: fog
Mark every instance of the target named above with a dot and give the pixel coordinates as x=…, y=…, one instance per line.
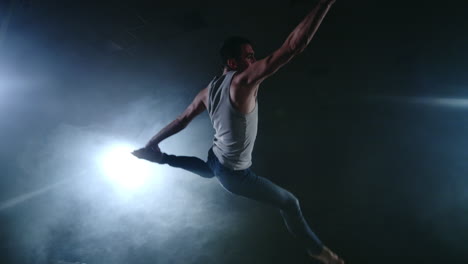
x=368, y=128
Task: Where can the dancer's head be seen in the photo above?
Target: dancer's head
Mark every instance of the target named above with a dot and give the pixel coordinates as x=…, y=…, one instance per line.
x=237, y=54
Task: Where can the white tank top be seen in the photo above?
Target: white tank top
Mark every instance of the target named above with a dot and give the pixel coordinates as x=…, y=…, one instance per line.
x=235, y=132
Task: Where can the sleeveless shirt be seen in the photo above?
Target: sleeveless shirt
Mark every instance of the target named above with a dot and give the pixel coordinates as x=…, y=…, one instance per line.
x=235, y=132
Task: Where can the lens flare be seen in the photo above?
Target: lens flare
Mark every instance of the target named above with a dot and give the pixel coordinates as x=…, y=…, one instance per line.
x=125, y=170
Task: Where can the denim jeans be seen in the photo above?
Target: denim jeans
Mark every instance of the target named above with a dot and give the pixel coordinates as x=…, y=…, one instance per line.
x=247, y=184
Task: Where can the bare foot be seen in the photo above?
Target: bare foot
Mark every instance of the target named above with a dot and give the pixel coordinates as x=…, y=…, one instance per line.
x=327, y=257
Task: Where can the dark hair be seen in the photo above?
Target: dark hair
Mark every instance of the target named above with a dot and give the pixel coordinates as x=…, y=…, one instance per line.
x=232, y=48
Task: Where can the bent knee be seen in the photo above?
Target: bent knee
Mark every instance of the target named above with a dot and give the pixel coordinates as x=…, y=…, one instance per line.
x=291, y=203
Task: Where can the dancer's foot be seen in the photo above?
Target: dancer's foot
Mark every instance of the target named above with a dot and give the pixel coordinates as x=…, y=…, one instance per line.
x=153, y=154
x=327, y=257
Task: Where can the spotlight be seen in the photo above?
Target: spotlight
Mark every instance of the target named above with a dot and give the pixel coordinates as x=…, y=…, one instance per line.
x=125, y=170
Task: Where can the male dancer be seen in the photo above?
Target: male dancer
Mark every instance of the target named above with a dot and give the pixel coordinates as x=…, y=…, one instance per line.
x=231, y=101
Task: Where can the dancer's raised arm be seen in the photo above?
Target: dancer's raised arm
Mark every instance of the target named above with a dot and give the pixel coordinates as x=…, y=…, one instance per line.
x=295, y=43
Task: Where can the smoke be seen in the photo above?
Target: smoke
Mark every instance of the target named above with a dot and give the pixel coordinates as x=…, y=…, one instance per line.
x=81, y=217
x=432, y=132
x=5, y=21
x=60, y=111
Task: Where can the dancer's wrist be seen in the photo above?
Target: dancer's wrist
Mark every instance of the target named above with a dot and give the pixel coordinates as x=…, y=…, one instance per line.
x=164, y=158
x=155, y=149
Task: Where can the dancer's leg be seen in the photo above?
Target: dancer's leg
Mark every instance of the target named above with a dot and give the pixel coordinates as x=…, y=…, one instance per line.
x=246, y=183
x=192, y=164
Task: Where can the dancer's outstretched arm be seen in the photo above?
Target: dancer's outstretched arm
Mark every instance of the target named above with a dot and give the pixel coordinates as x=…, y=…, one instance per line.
x=151, y=151
x=195, y=108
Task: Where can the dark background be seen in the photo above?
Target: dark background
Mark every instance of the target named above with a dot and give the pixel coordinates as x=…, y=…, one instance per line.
x=368, y=127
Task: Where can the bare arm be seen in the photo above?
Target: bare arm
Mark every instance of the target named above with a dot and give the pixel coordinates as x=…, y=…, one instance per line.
x=182, y=121
x=296, y=42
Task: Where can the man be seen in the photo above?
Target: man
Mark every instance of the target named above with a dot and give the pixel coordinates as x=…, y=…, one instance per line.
x=231, y=101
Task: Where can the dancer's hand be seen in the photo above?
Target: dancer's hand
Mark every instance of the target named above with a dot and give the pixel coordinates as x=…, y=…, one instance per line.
x=327, y=257
x=152, y=154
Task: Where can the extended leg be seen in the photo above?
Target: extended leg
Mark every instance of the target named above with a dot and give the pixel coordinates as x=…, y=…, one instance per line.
x=192, y=164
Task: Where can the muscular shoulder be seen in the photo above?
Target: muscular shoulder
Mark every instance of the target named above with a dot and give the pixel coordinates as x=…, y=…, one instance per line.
x=241, y=88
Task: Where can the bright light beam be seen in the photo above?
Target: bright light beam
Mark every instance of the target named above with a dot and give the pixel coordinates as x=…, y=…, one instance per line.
x=27, y=196
x=123, y=169
x=432, y=101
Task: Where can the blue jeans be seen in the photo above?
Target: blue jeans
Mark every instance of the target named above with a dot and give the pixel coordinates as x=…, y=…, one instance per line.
x=246, y=183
